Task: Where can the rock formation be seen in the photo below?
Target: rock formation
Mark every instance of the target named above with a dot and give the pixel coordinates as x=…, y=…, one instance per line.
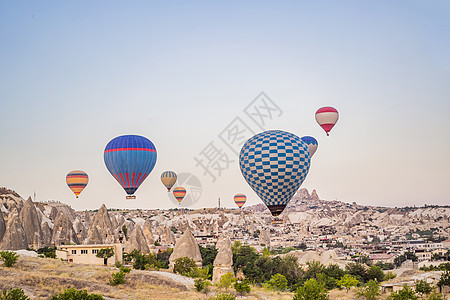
x=147, y=231
x=314, y=195
x=186, y=246
x=264, y=237
x=2, y=226
x=63, y=232
x=136, y=240
x=167, y=237
x=93, y=237
x=223, y=263
x=104, y=228
x=14, y=237
x=31, y=224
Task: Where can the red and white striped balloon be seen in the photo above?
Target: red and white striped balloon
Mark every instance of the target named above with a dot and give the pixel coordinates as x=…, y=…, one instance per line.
x=326, y=117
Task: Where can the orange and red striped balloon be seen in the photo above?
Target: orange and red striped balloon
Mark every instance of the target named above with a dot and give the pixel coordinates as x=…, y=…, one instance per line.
x=179, y=193
x=77, y=181
x=240, y=199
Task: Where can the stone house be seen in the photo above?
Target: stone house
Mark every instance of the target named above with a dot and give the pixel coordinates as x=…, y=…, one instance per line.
x=86, y=254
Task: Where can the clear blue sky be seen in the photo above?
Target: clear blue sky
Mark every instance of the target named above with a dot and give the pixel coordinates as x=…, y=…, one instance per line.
x=75, y=74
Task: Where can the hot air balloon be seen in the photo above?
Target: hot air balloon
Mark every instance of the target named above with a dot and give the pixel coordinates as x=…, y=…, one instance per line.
x=168, y=178
x=311, y=143
x=179, y=193
x=326, y=117
x=240, y=199
x=274, y=163
x=77, y=181
x=130, y=159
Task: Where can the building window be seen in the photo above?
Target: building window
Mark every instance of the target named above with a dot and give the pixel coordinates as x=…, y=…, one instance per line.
x=94, y=251
x=74, y=251
x=83, y=251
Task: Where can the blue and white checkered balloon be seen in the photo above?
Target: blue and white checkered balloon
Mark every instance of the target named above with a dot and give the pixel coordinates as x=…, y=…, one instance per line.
x=275, y=164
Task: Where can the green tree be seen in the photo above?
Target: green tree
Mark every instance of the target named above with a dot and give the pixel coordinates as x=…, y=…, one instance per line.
x=311, y=290
x=117, y=278
x=423, y=287
x=358, y=271
x=73, y=294
x=406, y=293
x=244, y=258
x=264, y=268
x=289, y=268
x=389, y=275
x=276, y=283
x=348, y=281
x=163, y=257
x=266, y=252
x=375, y=273
x=242, y=287
x=202, y=285
x=13, y=294
x=209, y=254
x=314, y=267
x=184, y=265
x=105, y=253
x=444, y=280
x=226, y=281
x=334, y=271
x=370, y=291
x=329, y=282
x=9, y=258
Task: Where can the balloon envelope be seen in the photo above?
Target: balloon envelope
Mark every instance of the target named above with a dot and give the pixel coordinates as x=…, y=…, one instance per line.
x=275, y=163
x=77, y=181
x=179, y=193
x=240, y=199
x=326, y=117
x=130, y=159
x=311, y=143
x=168, y=178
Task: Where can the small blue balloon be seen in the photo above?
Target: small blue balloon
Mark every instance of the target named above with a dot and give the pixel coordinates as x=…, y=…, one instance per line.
x=312, y=144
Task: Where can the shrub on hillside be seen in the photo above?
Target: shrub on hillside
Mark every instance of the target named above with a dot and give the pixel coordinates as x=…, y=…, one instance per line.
x=311, y=290
x=184, y=266
x=13, y=294
x=9, y=258
x=201, y=285
x=242, y=287
x=223, y=296
x=406, y=293
x=117, y=278
x=73, y=294
x=370, y=291
x=125, y=269
x=226, y=281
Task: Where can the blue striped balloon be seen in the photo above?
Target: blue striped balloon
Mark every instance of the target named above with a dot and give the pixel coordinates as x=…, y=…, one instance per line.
x=130, y=159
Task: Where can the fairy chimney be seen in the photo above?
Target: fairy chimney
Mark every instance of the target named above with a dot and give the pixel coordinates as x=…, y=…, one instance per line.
x=223, y=263
x=186, y=246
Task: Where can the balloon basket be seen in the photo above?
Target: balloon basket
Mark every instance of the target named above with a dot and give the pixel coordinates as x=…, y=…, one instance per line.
x=130, y=197
x=277, y=221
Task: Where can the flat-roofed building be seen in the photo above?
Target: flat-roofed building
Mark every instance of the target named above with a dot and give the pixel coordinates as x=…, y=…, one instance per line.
x=87, y=254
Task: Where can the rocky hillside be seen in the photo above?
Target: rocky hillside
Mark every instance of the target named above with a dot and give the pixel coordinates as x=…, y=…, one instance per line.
x=28, y=224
